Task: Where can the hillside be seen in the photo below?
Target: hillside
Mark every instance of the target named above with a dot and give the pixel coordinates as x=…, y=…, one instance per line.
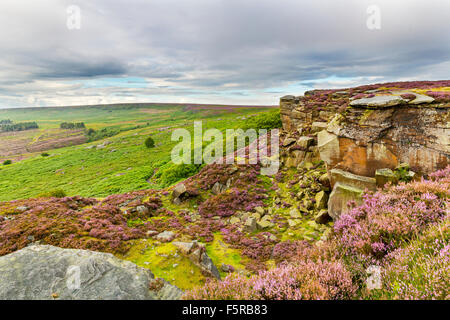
x=76, y=166
x=358, y=210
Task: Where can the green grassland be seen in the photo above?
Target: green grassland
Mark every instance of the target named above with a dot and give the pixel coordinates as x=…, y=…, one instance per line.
x=123, y=165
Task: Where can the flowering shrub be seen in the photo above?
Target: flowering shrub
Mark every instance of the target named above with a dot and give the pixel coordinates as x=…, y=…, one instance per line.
x=65, y=223
x=404, y=230
x=408, y=96
x=421, y=270
x=296, y=281
x=439, y=96
x=226, y=204
x=385, y=220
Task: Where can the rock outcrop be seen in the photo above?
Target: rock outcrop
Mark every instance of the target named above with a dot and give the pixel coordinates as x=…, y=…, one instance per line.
x=196, y=252
x=370, y=130
x=42, y=272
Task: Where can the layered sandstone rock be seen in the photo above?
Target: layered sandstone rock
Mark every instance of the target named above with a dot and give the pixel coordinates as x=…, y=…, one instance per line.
x=370, y=130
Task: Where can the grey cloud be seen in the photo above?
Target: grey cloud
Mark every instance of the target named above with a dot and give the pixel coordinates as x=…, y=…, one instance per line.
x=217, y=47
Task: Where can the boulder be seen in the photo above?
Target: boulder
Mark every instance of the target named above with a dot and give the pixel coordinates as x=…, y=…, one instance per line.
x=21, y=209
x=234, y=220
x=288, y=142
x=186, y=248
x=322, y=217
x=196, y=252
x=305, y=142
x=260, y=210
x=179, y=190
x=255, y=215
x=293, y=222
x=41, y=272
x=383, y=176
x=321, y=200
x=339, y=198
x=166, y=236
x=318, y=126
x=205, y=263
x=325, y=180
x=294, y=213
x=288, y=98
x=382, y=101
x=142, y=210
x=226, y=268
x=265, y=223
x=328, y=145
x=218, y=188
x=250, y=224
x=294, y=158
x=357, y=181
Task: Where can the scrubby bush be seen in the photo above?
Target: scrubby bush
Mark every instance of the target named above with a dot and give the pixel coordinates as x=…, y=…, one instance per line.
x=174, y=173
x=94, y=135
x=45, y=154
x=57, y=193
x=7, y=162
x=149, y=142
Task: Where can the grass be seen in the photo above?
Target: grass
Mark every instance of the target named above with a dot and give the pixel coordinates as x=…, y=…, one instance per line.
x=122, y=166
x=164, y=262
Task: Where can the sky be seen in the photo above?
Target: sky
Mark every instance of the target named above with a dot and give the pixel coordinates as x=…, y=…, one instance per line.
x=213, y=51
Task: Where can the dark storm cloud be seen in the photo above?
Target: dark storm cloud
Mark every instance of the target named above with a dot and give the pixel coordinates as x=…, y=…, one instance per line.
x=80, y=69
x=201, y=47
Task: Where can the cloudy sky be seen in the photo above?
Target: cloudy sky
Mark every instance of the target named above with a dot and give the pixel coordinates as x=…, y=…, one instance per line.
x=212, y=51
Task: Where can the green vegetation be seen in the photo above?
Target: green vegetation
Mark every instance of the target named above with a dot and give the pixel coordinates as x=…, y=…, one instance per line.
x=71, y=125
x=268, y=120
x=7, y=162
x=58, y=193
x=122, y=163
x=21, y=126
x=149, y=142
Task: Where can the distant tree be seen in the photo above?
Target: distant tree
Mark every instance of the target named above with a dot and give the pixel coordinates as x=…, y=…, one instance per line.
x=149, y=142
x=45, y=154
x=7, y=162
x=71, y=125
x=9, y=126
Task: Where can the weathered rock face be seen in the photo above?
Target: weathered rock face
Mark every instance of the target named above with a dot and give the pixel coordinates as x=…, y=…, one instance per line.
x=370, y=130
x=365, y=140
x=42, y=272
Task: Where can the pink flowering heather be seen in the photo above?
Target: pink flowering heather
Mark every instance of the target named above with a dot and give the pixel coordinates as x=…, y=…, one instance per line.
x=385, y=220
x=296, y=281
x=420, y=271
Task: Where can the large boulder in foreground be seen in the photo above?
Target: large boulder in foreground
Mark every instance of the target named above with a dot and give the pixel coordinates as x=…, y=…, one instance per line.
x=42, y=272
x=340, y=198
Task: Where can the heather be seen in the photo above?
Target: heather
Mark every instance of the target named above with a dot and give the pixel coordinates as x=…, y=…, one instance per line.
x=269, y=237
x=303, y=280
x=403, y=229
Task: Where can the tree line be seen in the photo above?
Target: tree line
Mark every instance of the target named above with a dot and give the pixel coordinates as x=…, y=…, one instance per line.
x=8, y=126
x=71, y=125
